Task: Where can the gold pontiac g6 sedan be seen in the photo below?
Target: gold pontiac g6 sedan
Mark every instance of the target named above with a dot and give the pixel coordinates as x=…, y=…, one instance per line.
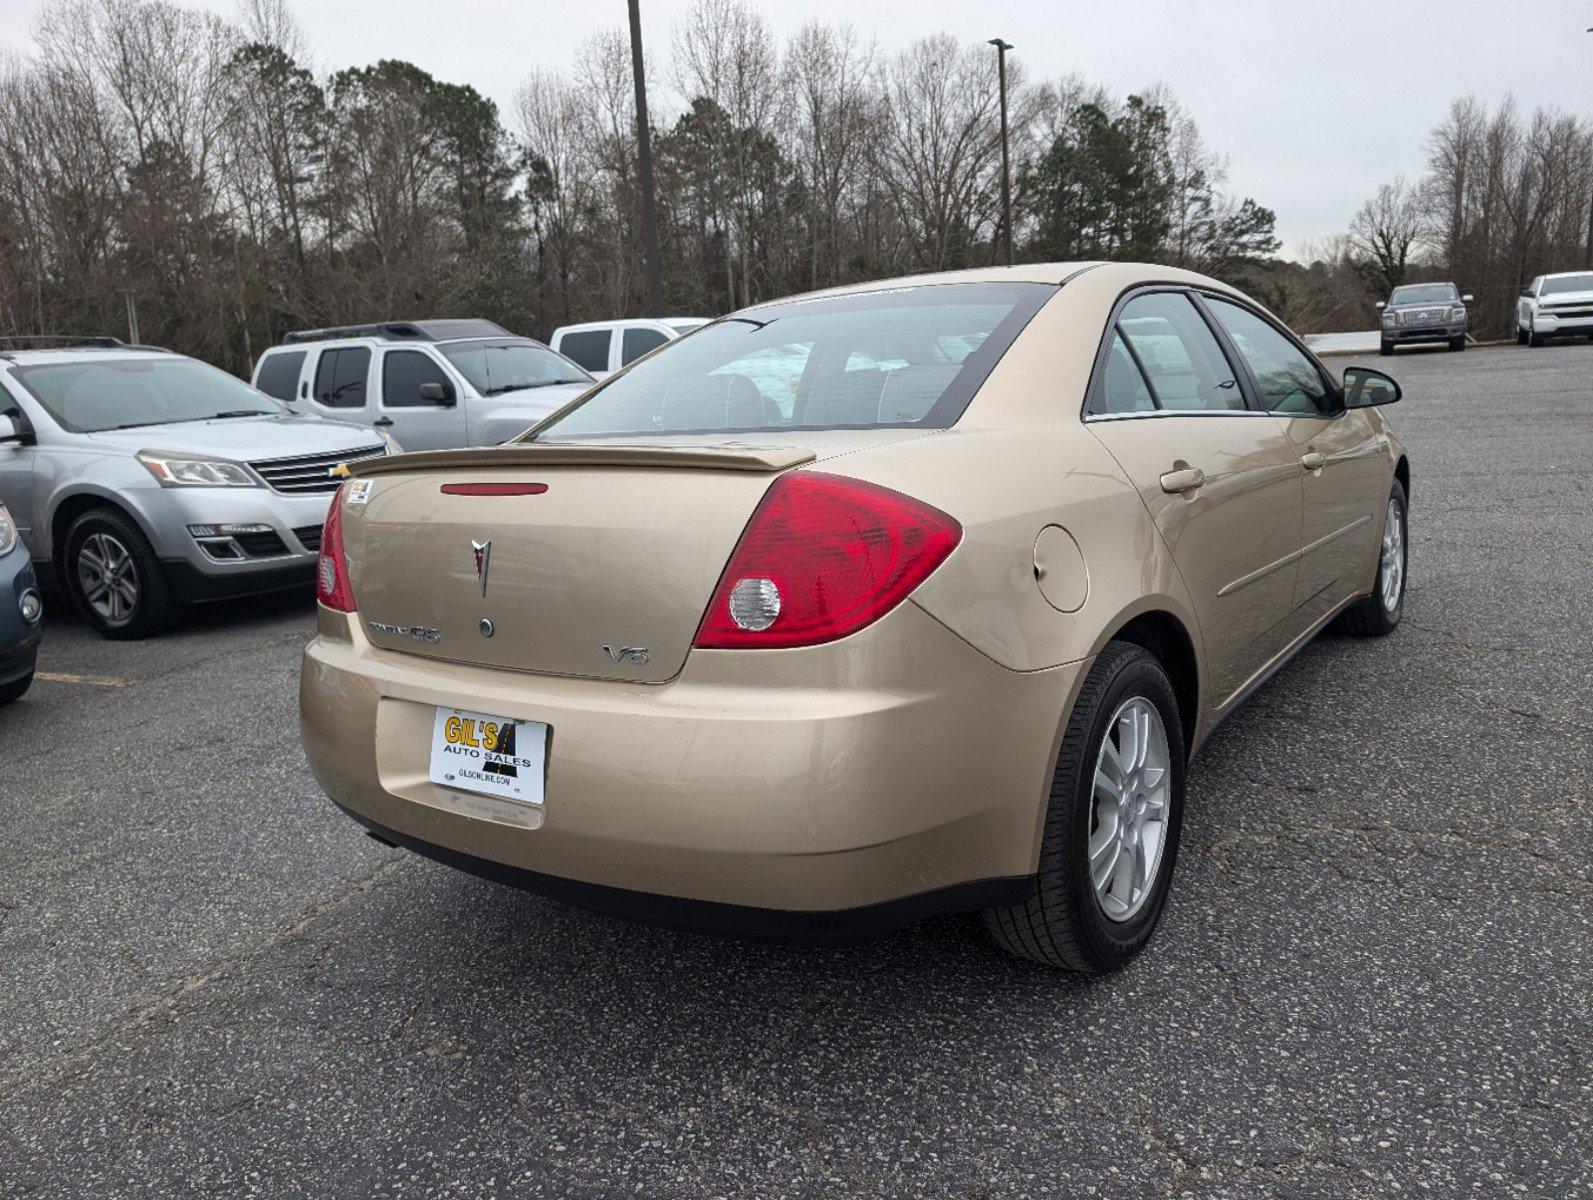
x=861, y=607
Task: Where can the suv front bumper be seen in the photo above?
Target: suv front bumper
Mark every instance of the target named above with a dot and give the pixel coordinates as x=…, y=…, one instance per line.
x=1424, y=333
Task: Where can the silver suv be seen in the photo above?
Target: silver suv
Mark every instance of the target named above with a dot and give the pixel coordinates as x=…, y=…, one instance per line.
x=142, y=480
x=431, y=385
x=1424, y=312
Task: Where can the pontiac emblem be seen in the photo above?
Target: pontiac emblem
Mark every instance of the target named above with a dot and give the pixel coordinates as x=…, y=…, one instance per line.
x=483, y=552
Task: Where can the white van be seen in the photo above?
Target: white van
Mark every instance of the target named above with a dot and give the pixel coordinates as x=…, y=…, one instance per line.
x=603, y=347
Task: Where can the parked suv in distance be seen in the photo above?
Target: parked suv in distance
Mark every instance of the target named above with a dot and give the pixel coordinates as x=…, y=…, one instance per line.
x=430, y=385
x=603, y=347
x=144, y=480
x=1424, y=312
x=21, y=612
x=1555, y=306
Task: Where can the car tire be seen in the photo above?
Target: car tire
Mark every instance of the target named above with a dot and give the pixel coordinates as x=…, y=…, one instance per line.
x=1521, y=336
x=104, y=544
x=13, y=691
x=1385, y=347
x=1458, y=343
x=1534, y=339
x=1066, y=922
x=1377, y=615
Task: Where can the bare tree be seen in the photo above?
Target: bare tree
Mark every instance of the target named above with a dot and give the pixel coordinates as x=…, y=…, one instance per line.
x=1384, y=233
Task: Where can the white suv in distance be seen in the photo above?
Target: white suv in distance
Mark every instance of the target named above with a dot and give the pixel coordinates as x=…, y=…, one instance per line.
x=1555, y=306
x=429, y=385
x=603, y=347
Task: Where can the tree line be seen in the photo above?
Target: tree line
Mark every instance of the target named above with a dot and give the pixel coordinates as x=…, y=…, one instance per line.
x=201, y=170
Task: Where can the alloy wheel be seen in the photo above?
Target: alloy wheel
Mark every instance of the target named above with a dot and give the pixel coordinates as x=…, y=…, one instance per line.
x=1393, y=557
x=1128, y=820
x=108, y=577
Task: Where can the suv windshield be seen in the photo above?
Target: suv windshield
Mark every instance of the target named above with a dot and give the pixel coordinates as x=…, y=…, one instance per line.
x=1424, y=293
x=507, y=365
x=901, y=357
x=93, y=395
x=1567, y=283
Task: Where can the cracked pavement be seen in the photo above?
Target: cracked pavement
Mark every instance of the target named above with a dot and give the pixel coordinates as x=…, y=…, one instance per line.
x=1373, y=978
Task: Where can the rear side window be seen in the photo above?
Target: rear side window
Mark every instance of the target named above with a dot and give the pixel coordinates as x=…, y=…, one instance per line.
x=898, y=357
x=1123, y=387
x=588, y=347
x=1286, y=380
x=638, y=342
x=340, y=377
x=1183, y=360
x=403, y=371
x=279, y=374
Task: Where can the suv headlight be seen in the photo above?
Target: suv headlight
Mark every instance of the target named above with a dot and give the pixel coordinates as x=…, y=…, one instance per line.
x=1389, y=316
x=8, y=532
x=1457, y=313
x=183, y=471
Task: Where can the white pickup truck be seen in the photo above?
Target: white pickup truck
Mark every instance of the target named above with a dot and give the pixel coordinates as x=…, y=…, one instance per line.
x=1555, y=306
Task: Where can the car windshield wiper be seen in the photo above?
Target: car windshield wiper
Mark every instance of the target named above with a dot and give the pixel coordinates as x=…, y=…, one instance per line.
x=237, y=412
x=523, y=387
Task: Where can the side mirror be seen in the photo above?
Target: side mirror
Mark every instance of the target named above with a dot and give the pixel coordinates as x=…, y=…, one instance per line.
x=1379, y=304
x=1367, y=388
x=15, y=432
x=1466, y=299
x=438, y=393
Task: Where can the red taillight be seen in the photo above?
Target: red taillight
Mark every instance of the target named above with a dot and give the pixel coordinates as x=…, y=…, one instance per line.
x=331, y=573
x=822, y=557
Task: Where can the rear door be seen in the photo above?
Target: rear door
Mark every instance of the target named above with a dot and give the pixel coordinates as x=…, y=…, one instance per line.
x=589, y=348
x=340, y=386
x=419, y=422
x=1220, y=478
x=1343, y=462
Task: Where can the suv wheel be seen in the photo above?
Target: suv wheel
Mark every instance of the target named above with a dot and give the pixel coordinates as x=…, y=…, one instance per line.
x=1458, y=343
x=114, y=577
x=1111, y=831
x=1385, y=347
x=1379, y=613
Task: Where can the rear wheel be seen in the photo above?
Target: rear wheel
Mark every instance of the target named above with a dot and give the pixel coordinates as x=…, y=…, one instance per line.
x=1379, y=613
x=1112, y=828
x=114, y=578
x=15, y=689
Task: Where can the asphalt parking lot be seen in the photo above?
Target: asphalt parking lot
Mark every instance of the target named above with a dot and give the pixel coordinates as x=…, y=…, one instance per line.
x=1373, y=978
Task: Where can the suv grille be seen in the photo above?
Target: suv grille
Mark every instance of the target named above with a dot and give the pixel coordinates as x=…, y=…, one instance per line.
x=310, y=473
x=1423, y=316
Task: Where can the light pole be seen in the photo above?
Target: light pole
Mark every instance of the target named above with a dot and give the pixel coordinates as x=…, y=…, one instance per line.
x=1006, y=163
x=644, y=138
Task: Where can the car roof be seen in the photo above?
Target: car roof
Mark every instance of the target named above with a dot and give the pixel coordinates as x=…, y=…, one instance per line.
x=624, y=323
x=71, y=354
x=392, y=343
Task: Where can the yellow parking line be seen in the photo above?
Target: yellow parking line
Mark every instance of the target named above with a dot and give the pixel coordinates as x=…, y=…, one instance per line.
x=93, y=680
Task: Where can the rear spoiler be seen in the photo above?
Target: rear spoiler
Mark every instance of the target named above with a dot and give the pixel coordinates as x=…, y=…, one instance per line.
x=763, y=460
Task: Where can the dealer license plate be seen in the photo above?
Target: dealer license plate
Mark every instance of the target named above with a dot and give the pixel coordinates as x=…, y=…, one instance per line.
x=490, y=756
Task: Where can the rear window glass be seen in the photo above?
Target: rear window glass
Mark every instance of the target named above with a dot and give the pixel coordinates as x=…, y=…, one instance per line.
x=901, y=357
x=279, y=374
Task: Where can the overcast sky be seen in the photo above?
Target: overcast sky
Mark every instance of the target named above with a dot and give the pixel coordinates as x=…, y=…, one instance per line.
x=1314, y=103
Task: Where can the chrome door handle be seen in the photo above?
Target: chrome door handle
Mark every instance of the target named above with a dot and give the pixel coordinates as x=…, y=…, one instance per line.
x=1183, y=480
x=1312, y=461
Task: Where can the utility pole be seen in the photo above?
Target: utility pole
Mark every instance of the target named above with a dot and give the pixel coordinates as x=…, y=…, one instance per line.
x=644, y=139
x=1006, y=162
x=130, y=301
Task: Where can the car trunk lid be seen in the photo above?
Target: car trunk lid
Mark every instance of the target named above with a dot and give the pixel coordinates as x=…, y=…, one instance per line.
x=598, y=561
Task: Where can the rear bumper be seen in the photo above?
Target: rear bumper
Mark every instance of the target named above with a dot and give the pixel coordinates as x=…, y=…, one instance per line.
x=833, y=792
